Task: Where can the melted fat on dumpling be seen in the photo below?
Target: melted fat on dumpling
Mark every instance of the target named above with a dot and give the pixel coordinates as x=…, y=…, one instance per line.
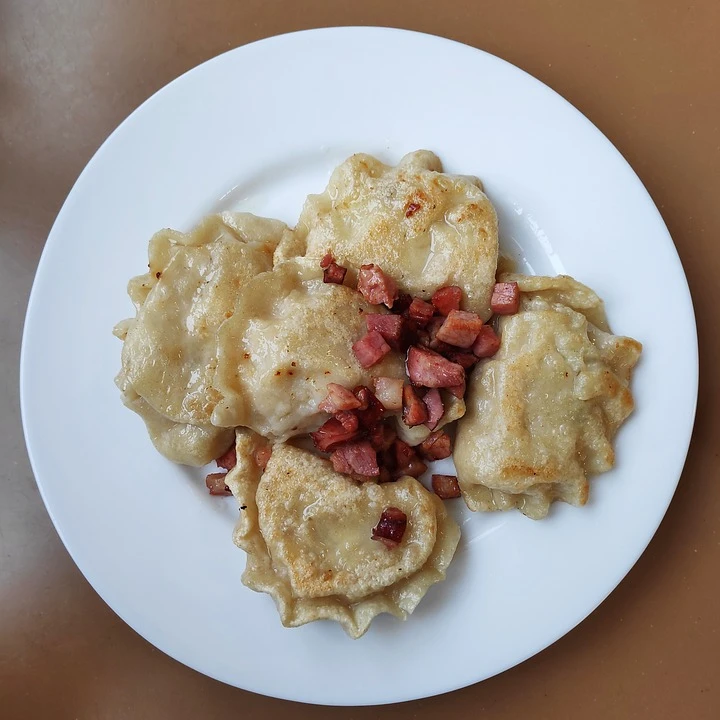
x=290, y=336
x=307, y=533
x=541, y=414
x=424, y=228
x=169, y=351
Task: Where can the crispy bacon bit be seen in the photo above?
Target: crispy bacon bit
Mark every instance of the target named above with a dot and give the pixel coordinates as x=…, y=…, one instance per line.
x=420, y=311
x=375, y=286
x=331, y=434
x=436, y=446
x=487, y=342
x=447, y=299
x=431, y=329
x=435, y=408
x=384, y=476
x=389, y=326
x=370, y=349
x=371, y=410
x=505, y=298
x=391, y=527
x=338, y=398
x=414, y=410
x=382, y=437
x=389, y=392
x=262, y=456
x=428, y=368
x=334, y=273
x=228, y=459
x=215, y=483
x=460, y=328
x=411, y=209
x=359, y=457
x=327, y=260
x=466, y=359
x=446, y=486
x=407, y=461
x=402, y=303
x=348, y=419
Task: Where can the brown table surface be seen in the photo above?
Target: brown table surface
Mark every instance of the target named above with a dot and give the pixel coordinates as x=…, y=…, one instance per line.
x=645, y=72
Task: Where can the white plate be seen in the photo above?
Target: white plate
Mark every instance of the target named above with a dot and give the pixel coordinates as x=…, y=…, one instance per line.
x=258, y=129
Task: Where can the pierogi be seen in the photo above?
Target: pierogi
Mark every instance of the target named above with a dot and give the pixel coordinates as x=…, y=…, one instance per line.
x=169, y=350
x=423, y=227
x=542, y=413
x=307, y=531
x=291, y=335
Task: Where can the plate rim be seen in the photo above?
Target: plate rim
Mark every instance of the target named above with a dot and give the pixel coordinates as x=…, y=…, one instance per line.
x=692, y=354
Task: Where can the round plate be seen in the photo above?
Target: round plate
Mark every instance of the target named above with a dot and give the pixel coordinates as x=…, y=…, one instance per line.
x=258, y=129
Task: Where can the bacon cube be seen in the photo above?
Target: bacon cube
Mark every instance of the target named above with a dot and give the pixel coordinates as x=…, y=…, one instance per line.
x=487, y=342
x=436, y=446
x=327, y=260
x=331, y=434
x=446, y=299
x=215, y=483
x=420, y=311
x=407, y=461
x=446, y=486
x=389, y=326
x=435, y=408
x=460, y=328
x=505, y=298
x=414, y=410
x=428, y=368
x=375, y=286
x=381, y=437
x=371, y=410
x=334, y=273
x=338, y=398
x=370, y=349
x=391, y=527
x=359, y=457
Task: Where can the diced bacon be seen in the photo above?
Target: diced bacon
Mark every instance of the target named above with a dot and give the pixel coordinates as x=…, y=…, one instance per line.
x=370, y=349
x=228, y=459
x=334, y=273
x=215, y=483
x=371, y=410
x=414, y=410
x=446, y=299
x=407, y=461
x=348, y=419
x=435, y=408
x=487, y=342
x=402, y=303
x=359, y=456
x=389, y=392
x=460, y=328
x=327, y=260
x=436, y=446
x=420, y=311
x=446, y=486
x=375, y=286
x=428, y=368
x=389, y=326
x=466, y=359
x=382, y=437
x=391, y=527
x=384, y=476
x=338, y=398
x=505, y=298
x=432, y=329
x=262, y=456
x=331, y=434
x=458, y=390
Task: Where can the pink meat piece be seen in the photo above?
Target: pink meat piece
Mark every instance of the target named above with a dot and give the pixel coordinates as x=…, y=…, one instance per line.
x=428, y=368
